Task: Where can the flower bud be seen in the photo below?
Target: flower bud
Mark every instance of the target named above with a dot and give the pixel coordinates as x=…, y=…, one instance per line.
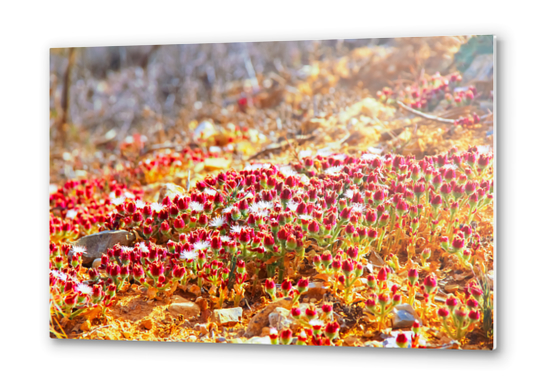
x=383, y=274
x=302, y=285
x=413, y=276
x=474, y=316
x=310, y=313
x=371, y=305
x=401, y=340
x=416, y=327
x=460, y=314
x=332, y=330
x=371, y=281
x=270, y=288
x=458, y=244
x=430, y=284
x=286, y=337
x=443, y=312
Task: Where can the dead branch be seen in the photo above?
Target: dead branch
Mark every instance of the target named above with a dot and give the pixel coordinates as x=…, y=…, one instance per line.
x=425, y=115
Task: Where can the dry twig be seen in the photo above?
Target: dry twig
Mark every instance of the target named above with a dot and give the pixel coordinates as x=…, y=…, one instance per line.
x=425, y=115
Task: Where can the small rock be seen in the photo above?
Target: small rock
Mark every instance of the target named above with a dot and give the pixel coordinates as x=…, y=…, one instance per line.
x=280, y=318
x=171, y=190
x=316, y=291
x=451, y=288
x=96, y=263
x=216, y=163
x=240, y=333
x=261, y=319
x=375, y=259
x=147, y=323
x=85, y=326
x=259, y=340
x=180, y=306
x=100, y=242
x=202, y=328
x=204, y=131
x=351, y=341
x=227, y=316
x=404, y=316
x=481, y=69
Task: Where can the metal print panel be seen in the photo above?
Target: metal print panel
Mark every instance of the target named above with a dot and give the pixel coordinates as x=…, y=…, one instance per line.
x=310, y=193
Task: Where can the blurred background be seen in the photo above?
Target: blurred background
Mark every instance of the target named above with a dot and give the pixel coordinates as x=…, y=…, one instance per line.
x=103, y=99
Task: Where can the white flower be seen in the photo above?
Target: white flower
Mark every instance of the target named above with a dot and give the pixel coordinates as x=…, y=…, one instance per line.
x=79, y=249
x=349, y=193
x=71, y=214
x=225, y=238
x=305, y=217
x=83, y=288
x=217, y=222
x=201, y=245
x=118, y=200
x=237, y=228
x=209, y=191
x=126, y=249
x=484, y=149
x=227, y=209
x=304, y=179
x=157, y=207
x=340, y=156
x=129, y=195
x=195, y=206
x=261, y=207
x=59, y=275
x=292, y=206
x=357, y=207
x=316, y=322
x=189, y=255
x=450, y=166
x=333, y=170
x=369, y=156
x=254, y=167
x=249, y=195
x=288, y=171
x=139, y=204
x=143, y=247
x=262, y=214
x=305, y=153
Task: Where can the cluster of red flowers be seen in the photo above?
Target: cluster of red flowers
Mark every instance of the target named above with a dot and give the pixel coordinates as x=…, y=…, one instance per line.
x=314, y=326
x=241, y=226
x=429, y=93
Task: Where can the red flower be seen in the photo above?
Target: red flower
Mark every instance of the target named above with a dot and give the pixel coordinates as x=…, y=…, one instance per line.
x=402, y=340
x=382, y=274
x=178, y=272
x=419, y=189
x=156, y=269
x=302, y=285
x=430, y=283
x=474, y=316
x=347, y=267
x=370, y=217
x=413, y=276
x=443, y=312
x=286, y=336
x=332, y=330
x=458, y=243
